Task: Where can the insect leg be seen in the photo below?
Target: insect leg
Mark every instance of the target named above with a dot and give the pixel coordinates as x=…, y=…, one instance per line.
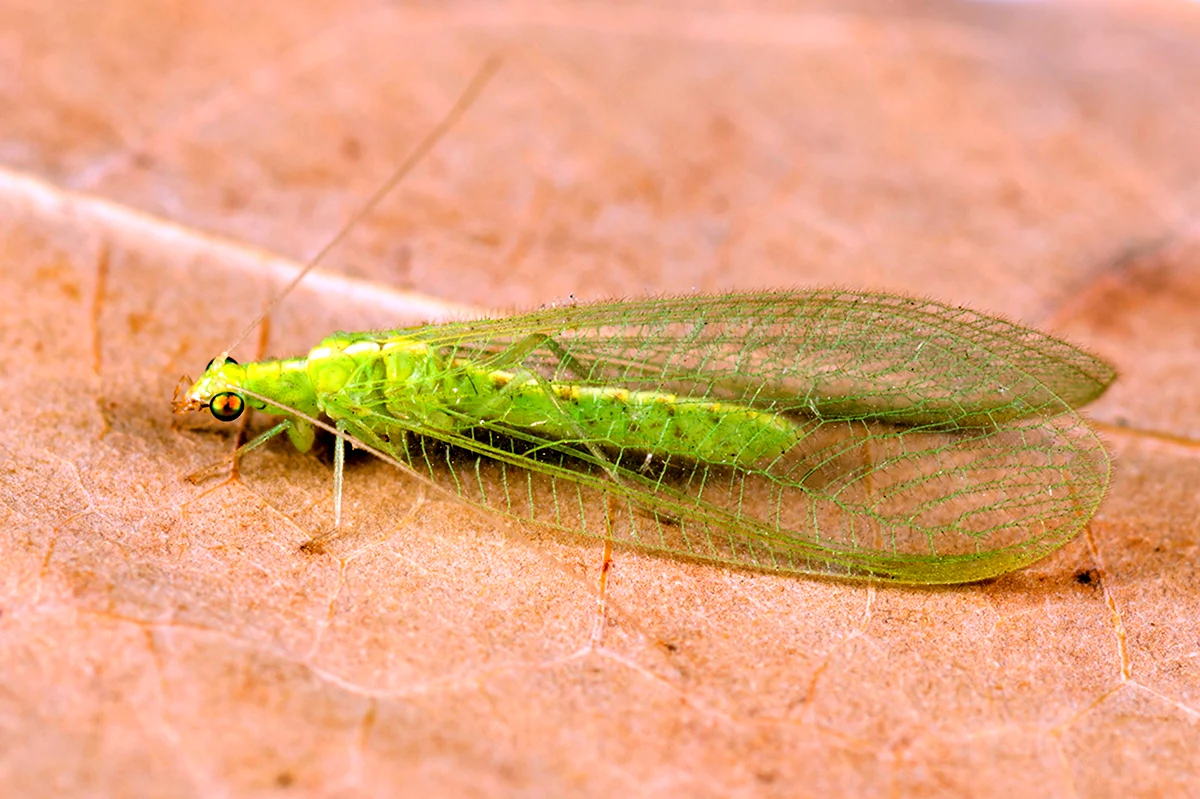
x=516, y=352
x=602, y=458
x=339, y=467
x=211, y=471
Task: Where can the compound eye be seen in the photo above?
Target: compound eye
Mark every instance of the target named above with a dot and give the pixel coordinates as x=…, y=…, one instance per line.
x=214, y=362
x=227, y=406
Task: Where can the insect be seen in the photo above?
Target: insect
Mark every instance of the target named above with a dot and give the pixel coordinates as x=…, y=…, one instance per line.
x=854, y=434
x=860, y=435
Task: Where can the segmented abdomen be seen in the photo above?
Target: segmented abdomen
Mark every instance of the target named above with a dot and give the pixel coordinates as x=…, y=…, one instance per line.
x=385, y=383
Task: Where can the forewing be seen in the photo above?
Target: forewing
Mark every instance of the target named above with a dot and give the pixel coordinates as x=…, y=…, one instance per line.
x=820, y=353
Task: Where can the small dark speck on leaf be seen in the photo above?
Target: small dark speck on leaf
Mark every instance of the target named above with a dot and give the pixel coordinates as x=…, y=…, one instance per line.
x=351, y=148
x=314, y=546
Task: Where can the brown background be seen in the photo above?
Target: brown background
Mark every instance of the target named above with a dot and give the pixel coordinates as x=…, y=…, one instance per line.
x=161, y=165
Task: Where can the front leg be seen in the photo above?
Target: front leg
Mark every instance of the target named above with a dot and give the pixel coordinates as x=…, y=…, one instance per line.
x=211, y=471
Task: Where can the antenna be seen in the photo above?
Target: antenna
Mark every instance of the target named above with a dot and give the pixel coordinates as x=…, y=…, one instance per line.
x=465, y=100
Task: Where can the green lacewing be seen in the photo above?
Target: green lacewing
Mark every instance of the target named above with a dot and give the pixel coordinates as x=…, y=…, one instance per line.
x=831, y=432
x=859, y=435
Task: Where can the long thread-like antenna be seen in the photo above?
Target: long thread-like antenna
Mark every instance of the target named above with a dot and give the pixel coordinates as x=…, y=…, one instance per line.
x=465, y=100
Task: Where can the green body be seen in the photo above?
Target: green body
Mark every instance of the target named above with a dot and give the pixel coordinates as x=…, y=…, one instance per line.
x=860, y=435
x=349, y=372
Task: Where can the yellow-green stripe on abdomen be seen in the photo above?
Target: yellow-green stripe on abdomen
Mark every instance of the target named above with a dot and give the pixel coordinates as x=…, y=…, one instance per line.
x=650, y=421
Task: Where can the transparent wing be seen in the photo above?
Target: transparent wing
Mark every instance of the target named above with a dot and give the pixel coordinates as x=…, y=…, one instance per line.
x=826, y=353
x=939, y=445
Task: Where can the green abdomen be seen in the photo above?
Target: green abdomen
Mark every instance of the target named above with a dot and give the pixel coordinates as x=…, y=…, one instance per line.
x=646, y=421
x=418, y=388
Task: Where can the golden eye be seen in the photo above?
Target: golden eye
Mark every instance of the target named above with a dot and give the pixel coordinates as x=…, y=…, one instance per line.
x=227, y=406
